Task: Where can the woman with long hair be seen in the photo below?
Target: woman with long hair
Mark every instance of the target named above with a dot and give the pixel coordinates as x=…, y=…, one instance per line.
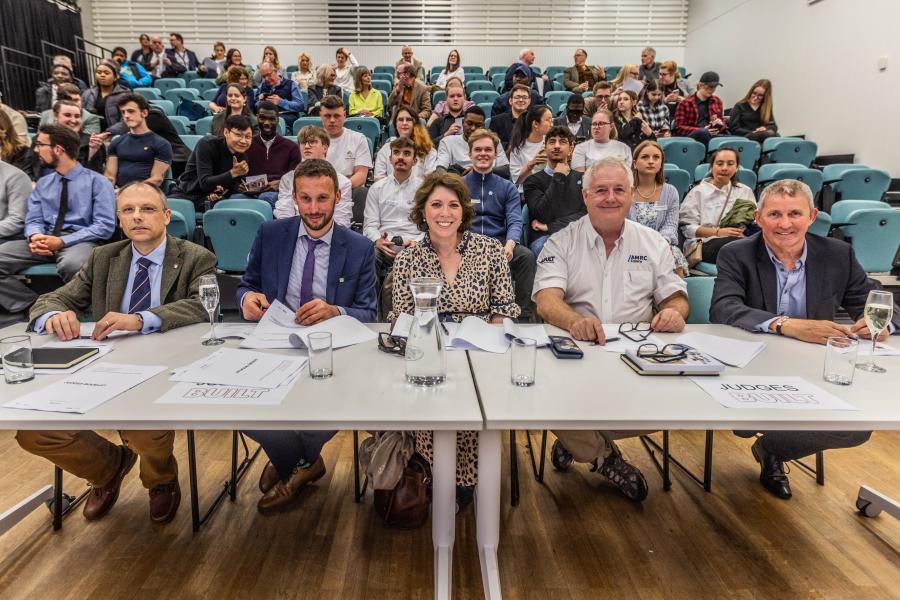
x=305, y=75
x=270, y=55
x=13, y=151
x=526, y=143
x=325, y=86
x=631, y=128
x=235, y=104
x=235, y=75
x=625, y=73
x=233, y=58
x=752, y=117
x=365, y=101
x=652, y=106
x=452, y=69
x=407, y=125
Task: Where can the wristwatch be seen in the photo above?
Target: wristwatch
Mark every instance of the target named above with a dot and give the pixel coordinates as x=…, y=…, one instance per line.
x=141, y=319
x=779, y=323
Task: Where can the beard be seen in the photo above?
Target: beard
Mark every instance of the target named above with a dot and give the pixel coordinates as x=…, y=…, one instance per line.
x=54, y=162
x=324, y=225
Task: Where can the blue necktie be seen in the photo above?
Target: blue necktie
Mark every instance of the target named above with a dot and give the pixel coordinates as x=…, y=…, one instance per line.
x=309, y=267
x=140, y=288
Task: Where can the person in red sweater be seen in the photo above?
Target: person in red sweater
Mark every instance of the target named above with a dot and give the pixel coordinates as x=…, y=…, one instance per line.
x=270, y=154
x=700, y=115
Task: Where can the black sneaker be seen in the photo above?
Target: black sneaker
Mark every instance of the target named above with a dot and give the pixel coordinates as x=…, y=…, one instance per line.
x=560, y=457
x=626, y=477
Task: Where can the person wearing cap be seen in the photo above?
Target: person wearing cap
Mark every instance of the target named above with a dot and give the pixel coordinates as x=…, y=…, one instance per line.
x=700, y=115
x=520, y=76
x=102, y=99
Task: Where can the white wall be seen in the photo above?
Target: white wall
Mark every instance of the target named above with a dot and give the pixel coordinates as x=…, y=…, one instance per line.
x=822, y=60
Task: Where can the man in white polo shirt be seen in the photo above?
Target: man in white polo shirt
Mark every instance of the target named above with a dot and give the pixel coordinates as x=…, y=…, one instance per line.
x=603, y=268
x=348, y=152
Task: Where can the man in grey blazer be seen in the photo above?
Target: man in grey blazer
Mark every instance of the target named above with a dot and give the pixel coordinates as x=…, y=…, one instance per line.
x=574, y=118
x=147, y=283
x=784, y=281
x=581, y=77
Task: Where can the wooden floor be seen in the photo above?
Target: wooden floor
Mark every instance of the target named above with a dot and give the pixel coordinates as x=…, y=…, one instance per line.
x=573, y=537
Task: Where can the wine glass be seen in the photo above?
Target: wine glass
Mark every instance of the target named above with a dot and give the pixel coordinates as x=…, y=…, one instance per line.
x=209, y=297
x=878, y=313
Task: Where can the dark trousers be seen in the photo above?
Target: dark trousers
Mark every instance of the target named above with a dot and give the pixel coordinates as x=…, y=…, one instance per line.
x=701, y=135
x=522, y=268
x=711, y=247
x=791, y=445
x=761, y=136
x=289, y=449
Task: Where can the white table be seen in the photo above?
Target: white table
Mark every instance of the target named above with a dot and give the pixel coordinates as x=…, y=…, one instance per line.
x=368, y=392
x=601, y=392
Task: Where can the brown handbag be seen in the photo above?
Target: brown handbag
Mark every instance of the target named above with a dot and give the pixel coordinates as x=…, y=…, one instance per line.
x=406, y=506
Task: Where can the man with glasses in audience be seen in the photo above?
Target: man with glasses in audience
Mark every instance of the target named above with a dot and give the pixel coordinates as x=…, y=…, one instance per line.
x=700, y=115
x=348, y=151
x=601, y=269
x=520, y=76
x=410, y=92
x=581, y=76
x=519, y=101
x=281, y=92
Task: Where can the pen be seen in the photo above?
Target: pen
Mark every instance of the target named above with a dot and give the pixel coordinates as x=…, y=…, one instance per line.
x=614, y=338
x=444, y=327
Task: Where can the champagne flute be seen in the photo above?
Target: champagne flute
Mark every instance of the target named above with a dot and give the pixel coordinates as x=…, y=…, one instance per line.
x=209, y=297
x=878, y=313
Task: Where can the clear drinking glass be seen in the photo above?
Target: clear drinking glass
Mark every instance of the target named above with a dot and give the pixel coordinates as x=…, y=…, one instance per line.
x=320, y=360
x=840, y=360
x=521, y=361
x=209, y=297
x=425, y=346
x=878, y=313
x=18, y=366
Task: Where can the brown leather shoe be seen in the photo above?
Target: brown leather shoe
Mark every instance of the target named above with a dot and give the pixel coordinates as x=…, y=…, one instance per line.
x=164, y=501
x=284, y=493
x=101, y=499
x=269, y=478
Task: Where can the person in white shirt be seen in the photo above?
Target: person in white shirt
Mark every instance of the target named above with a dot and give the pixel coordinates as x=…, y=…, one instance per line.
x=407, y=125
x=344, y=63
x=453, y=69
x=314, y=142
x=707, y=204
x=526, y=144
x=602, y=144
x=158, y=63
x=348, y=152
x=453, y=153
x=601, y=269
x=388, y=204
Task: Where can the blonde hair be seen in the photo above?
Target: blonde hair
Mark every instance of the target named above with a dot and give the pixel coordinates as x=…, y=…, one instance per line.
x=300, y=58
x=323, y=73
x=765, y=108
x=622, y=74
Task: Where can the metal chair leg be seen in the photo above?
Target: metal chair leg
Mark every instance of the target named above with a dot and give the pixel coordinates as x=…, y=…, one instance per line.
x=707, y=462
x=513, y=470
x=820, y=468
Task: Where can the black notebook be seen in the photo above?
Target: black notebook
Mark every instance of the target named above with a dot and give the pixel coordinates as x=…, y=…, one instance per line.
x=60, y=358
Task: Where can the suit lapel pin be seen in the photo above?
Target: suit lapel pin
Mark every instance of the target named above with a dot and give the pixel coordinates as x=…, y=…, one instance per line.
x=340, y=280
x=175, y=266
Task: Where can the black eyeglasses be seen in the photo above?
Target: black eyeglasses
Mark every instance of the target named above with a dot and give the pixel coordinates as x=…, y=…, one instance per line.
x=391, y=345
x=666, y=354
x=636, y=332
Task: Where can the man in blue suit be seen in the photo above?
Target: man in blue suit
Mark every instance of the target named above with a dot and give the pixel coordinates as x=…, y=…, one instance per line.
x=320, y=270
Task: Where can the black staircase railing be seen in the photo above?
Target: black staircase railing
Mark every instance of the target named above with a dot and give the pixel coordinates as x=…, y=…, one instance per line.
x=20, y=74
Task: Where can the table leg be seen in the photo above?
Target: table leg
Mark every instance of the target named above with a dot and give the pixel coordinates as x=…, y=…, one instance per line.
x=24, y=508
x=487, y=511
x=871, y=502
x=443, y=511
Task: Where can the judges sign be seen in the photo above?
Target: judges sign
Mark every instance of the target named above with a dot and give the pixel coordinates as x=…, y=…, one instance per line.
x=791, y=393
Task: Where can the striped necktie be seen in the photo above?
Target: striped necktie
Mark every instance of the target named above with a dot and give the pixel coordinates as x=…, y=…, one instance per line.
x=140, y=288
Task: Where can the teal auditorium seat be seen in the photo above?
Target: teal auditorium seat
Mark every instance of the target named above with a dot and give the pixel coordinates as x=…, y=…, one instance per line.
x=790, y=150
x=260, y=206
x=683, y=151
x=840, y=211
x=556, y=101
x=167, y=105
x=474, y=86
x=202, y=85
x=875, y=236
x=368, y=126
x=679, y=178
x=858, y=182
x=148, y=93
x=439, y=96
x=232, y=231
x=203, y=126
x=209, y=95
x=706, y=268
x=486, y=107
x=700, y=290
x=190, y=140
x=167, y=83
x=555, y=70
x=178, y=226
x=42, y=270
x=811, y=177
x=822, y=225
x=382, y=85
x=302, y=122
x=749, y=151
x=176, y=95
x=498, y=80
x=186, y=209
x=190, y=76
x=484, y=96
x=182, y=125
x=497, y=70
x=474, y=70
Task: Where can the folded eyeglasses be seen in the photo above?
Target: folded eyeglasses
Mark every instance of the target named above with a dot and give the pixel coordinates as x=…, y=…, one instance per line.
x=636, y=332
x=668, y=353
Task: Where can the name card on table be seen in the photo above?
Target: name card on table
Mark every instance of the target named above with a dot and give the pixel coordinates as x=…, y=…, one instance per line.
x=786, y=393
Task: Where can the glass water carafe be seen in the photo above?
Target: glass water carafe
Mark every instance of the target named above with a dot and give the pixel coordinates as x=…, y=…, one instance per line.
x=425, y=346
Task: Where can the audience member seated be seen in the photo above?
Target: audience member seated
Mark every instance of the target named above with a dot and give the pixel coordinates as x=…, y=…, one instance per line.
x=453, y=151
x=450, y=123
x=121, y=284
x=649, y=68
x=718, y=210
x=344, y=63
x=526, y=59
x=441, y=109
x=143, y=55
x=452, y=69
x=408, y=126
x=365, y=101
x=674, y=88
x=215, y=64
x=520, y=76
x=16, y=152
x=519, y=101
x=626, y=73
x=786, y=281
x=159, y=124
x=299, y=261
x=69, y=213
x=91, y=149
x=281, y=92
x=217, y=165
x=388, y=206
x=90, y=123
x=526, y=144
x=18, y=121
x=313, y=142
x=699, y=116
x=581, y=76
x=752, y=117
x=131, y=74
x=233, y=58
x=655, y=203
x=480, y=285
x=406, y=56
x=270, y=154
x=159, y=62
x=603, y=143
x=654, y=110
x=235, y=104
x=140, y=154
x=573, y=119
x=15, y=187
x=235, y=76
x=270, y=55
x=305, y=75
x=324, y=87
x=409, y=91
x=601, y=97
x=601, y=269
x=102, y=99
x=180, y=59
x=631, y=128
x=553, y=194
x=348, y=152
x=46, y=94
x=498, y=213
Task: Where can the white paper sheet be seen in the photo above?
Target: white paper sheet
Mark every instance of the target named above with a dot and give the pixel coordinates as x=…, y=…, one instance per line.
x=88, y=389
x=232, y=331
x=515, y=330
x=277, y=326
x=476, y=334
x=227, y=395
x=510, y=328
x=734, y=353
x=611, y=330
x=786, y=393
x=88, y=328
x=229, y=366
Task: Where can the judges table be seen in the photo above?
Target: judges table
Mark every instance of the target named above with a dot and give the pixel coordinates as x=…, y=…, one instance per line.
x=602, y=392
x=368, y=391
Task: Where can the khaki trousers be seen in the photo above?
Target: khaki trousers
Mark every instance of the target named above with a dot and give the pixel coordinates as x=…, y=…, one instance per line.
x=587, y=446
x=94, y=458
